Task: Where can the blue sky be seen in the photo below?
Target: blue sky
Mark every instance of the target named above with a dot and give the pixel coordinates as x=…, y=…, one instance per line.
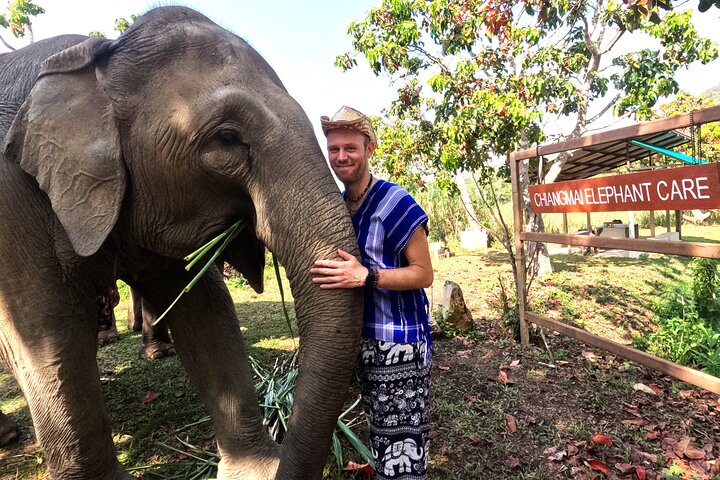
x=300, y=39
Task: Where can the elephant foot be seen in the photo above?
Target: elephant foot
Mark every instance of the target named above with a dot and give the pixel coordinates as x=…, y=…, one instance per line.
x=106, y=337
x=8, y=431
x=157, y=350
x=255, y=469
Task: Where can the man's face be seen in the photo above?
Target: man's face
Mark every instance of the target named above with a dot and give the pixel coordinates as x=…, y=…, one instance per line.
x=348, y=152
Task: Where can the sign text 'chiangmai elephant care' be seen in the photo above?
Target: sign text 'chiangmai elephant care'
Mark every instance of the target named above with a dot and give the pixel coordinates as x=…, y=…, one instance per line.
x=681, y=188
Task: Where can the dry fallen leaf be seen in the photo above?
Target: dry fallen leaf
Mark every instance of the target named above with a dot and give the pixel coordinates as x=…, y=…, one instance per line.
x=473, y=439
x=443, y=368
x=513, y=463
x=681, y=446
x=638, y=422
x=625, y=468
x=553, y=454
x=588, y=355
x=694, y=454
x=685, y=393
x=502, y=377
x=510, y=424
x=644, y=388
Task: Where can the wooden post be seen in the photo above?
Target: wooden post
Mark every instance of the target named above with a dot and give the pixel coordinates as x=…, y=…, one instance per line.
x=519, y=248
x=565, y=229
x=652, y=223
x=589, y=223
x=678, y=223
x=667, y=219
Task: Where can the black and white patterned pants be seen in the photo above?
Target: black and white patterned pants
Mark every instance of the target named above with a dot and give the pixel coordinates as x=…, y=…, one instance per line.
x=395, y=383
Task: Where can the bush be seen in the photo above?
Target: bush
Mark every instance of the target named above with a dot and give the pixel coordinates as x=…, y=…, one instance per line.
x=689, y=331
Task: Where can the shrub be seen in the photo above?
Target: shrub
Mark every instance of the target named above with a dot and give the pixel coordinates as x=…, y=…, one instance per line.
x=689, y=331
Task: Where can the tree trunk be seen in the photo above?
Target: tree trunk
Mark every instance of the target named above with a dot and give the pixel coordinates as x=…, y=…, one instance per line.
x=473, y=223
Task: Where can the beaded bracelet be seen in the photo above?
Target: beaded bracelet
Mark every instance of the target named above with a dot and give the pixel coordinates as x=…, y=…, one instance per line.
x=372, y=278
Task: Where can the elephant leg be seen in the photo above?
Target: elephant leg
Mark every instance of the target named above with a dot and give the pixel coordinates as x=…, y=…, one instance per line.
x=107, y=331
x=207, y=336
x=8, y=430
x=134, y=314
x=53, y=357
x=156, y=338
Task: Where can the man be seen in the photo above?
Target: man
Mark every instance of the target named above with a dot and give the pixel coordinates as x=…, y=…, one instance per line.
x=394, y=268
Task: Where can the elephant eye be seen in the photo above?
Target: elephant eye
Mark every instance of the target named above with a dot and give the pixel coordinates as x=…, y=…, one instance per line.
x=229, y=138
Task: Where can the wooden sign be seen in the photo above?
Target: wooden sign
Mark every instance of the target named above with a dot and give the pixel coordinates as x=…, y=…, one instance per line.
x=681, y=188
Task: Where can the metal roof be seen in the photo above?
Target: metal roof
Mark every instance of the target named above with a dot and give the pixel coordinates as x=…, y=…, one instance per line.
x=597, y=159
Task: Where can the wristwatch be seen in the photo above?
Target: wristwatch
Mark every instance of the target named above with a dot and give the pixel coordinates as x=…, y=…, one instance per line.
x=371, y=280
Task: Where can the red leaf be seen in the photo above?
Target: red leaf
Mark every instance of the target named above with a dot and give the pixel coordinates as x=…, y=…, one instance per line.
x=362, y=469
x=473, y=439
x=601, y=439
x=150, y=397
x=502, y=377
x=640, y=472
x=656, y=388
x=596, y=465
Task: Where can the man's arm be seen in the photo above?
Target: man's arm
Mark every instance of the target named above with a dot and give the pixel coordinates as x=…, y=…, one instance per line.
x=350, y=273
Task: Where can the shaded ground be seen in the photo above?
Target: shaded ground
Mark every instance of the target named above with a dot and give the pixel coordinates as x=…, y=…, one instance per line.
x=499, y=410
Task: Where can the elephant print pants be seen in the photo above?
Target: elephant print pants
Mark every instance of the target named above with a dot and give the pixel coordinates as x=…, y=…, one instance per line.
x=395, y=383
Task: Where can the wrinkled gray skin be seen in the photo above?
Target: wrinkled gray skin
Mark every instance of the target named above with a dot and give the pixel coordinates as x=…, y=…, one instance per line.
x=125, y=156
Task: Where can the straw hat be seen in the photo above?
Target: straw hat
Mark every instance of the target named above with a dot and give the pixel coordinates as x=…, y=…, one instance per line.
x=349, y=119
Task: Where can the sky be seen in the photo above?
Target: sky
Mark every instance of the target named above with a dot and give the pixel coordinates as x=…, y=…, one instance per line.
x=300, y=40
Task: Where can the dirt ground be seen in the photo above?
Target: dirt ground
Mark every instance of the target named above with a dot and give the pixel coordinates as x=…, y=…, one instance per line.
x=561, y=411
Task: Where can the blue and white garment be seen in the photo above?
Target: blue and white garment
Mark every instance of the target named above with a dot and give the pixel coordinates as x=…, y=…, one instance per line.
x=384, y=224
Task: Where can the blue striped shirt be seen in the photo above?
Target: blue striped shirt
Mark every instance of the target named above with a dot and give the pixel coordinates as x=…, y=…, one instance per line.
x=384, y=223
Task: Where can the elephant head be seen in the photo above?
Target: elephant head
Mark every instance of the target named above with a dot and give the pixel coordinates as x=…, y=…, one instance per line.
x=148, y=146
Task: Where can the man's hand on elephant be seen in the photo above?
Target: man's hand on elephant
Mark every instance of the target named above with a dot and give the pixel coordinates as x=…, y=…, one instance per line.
x=345, y=273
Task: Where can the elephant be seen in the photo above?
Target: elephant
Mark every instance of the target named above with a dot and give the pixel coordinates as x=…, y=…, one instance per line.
x=8, y=430
x=156, y=341
x=119, y=157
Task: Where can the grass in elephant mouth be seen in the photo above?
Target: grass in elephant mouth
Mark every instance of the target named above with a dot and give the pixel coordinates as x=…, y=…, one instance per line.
x=556, y=398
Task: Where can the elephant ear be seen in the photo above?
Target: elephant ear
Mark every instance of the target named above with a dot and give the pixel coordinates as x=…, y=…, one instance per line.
x=65, y=136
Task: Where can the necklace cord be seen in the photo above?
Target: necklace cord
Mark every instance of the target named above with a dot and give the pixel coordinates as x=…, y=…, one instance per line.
x=355, y=199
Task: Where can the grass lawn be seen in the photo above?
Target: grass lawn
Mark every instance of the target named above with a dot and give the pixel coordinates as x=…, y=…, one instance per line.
x=540, y=419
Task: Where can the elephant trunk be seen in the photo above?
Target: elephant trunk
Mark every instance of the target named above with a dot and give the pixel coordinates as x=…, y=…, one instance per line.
x=313, y=224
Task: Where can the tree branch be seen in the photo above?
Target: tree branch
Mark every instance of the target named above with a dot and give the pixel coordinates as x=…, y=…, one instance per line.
x=605, y=109
x=613, y=42
x=428, y=55
x=10, y=47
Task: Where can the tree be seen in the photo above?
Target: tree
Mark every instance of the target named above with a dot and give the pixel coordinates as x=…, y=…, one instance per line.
x=479, y=78
x=17, y=20
x=705, y=139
